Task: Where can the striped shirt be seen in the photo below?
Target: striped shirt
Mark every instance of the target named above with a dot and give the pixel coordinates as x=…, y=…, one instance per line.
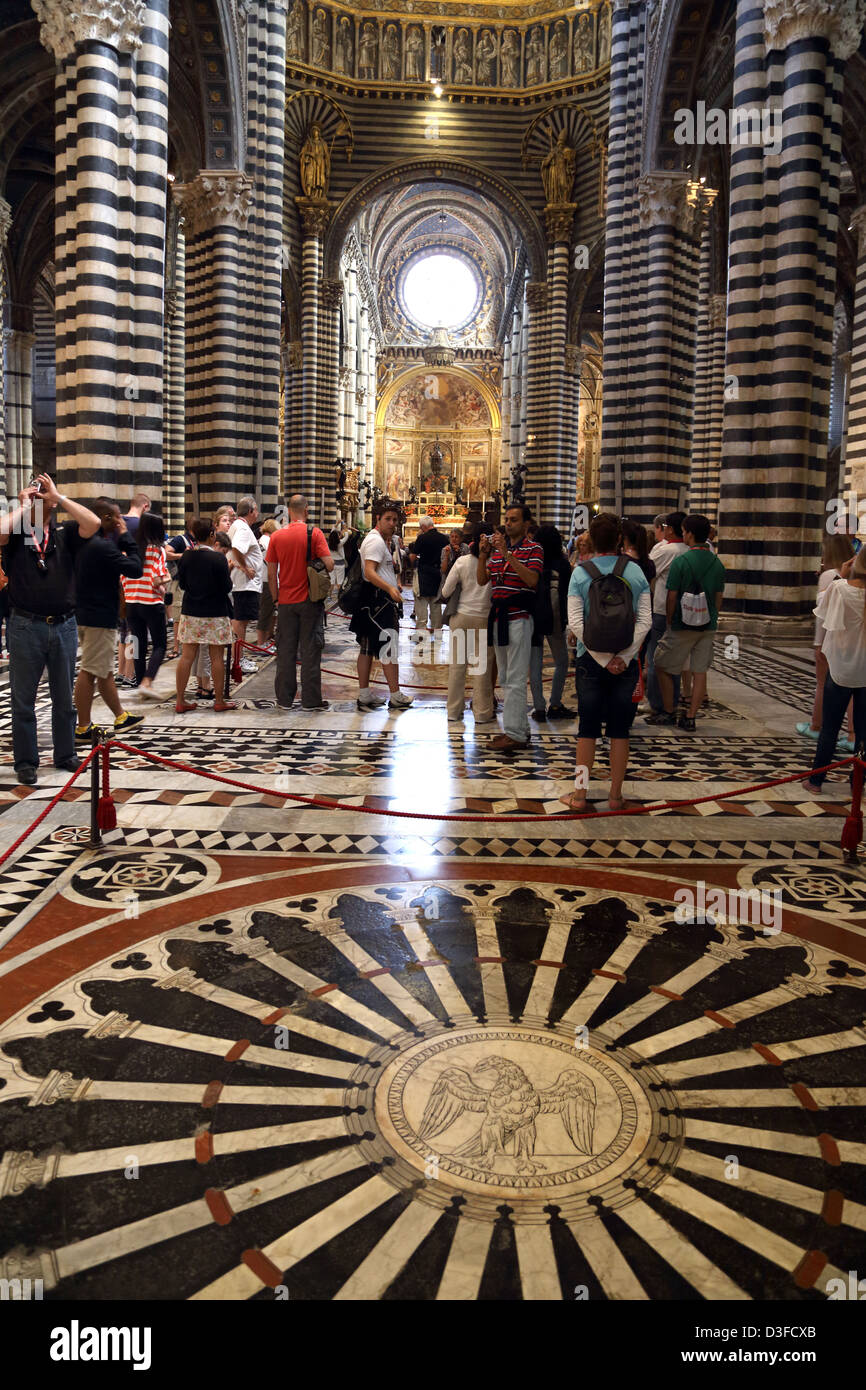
x=508, y=585
x=155, y=568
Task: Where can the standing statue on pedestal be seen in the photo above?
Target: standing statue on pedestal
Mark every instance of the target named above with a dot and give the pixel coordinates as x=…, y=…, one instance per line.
x=315, y=165
x=557, y=170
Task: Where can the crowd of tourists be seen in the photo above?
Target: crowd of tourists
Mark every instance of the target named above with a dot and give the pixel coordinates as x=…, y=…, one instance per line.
x=635, y=609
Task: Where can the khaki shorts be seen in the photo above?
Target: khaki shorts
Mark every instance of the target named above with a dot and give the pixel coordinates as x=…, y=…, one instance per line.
x=97, y=645
x=677, y=648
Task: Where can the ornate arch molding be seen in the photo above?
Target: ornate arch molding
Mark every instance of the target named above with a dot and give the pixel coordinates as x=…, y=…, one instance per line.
x=407, y=219
x=418, y=369
x=469, y=176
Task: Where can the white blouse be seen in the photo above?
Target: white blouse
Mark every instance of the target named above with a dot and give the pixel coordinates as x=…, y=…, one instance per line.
x=841, y=610
x=474, y=597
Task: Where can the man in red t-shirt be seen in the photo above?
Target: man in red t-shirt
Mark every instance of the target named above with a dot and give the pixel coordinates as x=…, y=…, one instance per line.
x=300, y=621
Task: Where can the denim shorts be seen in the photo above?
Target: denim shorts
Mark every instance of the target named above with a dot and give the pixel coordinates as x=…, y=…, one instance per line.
x=603, y=698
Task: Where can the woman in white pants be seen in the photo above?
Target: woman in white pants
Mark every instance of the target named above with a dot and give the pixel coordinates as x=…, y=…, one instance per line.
x=469, y=640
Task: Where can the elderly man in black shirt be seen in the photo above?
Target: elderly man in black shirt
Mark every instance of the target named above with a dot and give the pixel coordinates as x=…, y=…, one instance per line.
x=40, y=559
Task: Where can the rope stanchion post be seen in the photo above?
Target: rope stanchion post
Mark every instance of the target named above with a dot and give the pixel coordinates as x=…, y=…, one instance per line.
x=106, y=812
x=852, y=831
x=95, y=833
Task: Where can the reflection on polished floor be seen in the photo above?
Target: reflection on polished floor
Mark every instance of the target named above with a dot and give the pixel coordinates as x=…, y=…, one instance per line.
x=349, y=1055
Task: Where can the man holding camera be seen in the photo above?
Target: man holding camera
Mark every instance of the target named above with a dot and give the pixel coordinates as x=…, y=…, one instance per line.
x=513, y=564
x=39, y=559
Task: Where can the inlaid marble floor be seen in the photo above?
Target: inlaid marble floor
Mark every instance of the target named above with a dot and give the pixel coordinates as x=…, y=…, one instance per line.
x=252, y=1050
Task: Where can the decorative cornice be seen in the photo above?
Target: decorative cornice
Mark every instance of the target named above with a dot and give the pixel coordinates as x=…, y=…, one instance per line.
x=559, y=220
x=332, y=293
x=839, y=21
x=663, y=199
x=536, y=294
x=65, y=23
x=5, y=221
x=858, y=226
x=215, y=199
x=315, y=215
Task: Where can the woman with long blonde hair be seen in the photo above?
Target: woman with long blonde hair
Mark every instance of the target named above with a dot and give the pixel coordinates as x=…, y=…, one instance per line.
x=842, y=611
x=837, y=551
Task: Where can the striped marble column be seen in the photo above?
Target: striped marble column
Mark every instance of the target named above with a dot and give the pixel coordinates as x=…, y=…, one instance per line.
x=709, y=408
x=111, y=122
x=518, y=364
x=537, y=372
x=348, y=368
x=783, y=231
x=219, y=431
x=855, y=439
x=294, y=359
x=314, y=219
x=332, y=292
x=6, y=493
x=359, y=453
x=625, y=266
x=555, y=482
x=19, y=409
x=505, y=455
x=174, y=479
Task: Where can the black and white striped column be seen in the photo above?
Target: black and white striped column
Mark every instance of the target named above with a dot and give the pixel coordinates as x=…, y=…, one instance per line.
x=314, y=219
x=220, y=431
x=709, y=408
x=332, y=293
x=782, y=279
x=174, y=472
x=537, y=371
x=855, y=445
x=112, y=131
x=6, y=491
x=554, y=482
x=19, y=408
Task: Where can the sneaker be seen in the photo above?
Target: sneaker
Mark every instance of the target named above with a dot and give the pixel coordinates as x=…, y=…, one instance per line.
x=269, y=647
x=323, y=704
x=807, y=731
x=538, y=714
x=85, y=735
x=400, y=701
x=26, y=775
x=373, y=703
x=127, y=721
x=248, y=668
x=662, y=718
x=560, y=712
x=203, y=694
x=68, y=765
x=686, y=722
x=284, y=708
x=846, y=745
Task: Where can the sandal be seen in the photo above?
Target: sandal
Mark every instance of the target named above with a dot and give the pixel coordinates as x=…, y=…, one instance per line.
x=620, y=803
x=573, y=804
x=183, y=706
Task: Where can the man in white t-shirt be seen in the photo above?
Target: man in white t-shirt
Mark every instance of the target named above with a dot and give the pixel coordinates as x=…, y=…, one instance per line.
x=247, y=566
x=376, y=621
x=662, y=555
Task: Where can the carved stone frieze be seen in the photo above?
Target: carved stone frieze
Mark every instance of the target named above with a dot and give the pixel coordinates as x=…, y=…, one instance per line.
x=5, y=221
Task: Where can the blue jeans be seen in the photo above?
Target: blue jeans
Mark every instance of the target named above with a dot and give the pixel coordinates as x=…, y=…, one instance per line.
x=836, y=698
x=33, y=646
x=559, y=651
x=654, y=694
x=513, y=666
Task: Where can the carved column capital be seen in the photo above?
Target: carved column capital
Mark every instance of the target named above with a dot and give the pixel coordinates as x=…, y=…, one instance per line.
x=536, y=294
x=718, y=310
x=295, y=356
x=315, y=215
x=664, y=200
x=215, y=199
x=360, y=395
x=858, y=225
x=332, y=293
x=5, y=221
x=559, y=219
x=573, y=359
x=839, y=21
x=65, y=23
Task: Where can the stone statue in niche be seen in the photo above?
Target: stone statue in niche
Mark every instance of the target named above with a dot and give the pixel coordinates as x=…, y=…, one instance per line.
x=391, y=54
x=559, y=52
x=510, y=58
x=584, y=44
x=367, y=49
x=603, y=35
x=296, y=30
x=315, y=165
x=485, y=58
x=535, y=58
x=343, y=53
x=557, y=170
x=414, y=54
x=321, y=41
x=462, y=58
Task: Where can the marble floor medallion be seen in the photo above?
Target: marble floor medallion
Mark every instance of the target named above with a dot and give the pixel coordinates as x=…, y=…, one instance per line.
x=521, y=1113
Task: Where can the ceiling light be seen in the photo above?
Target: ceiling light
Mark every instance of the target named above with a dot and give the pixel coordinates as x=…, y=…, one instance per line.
x=438, y=89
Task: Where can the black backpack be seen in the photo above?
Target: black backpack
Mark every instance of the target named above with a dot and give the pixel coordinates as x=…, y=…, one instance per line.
x=352, y=588
x=609, y=623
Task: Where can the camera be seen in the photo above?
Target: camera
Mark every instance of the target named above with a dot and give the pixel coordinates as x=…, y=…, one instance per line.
x=34, y=482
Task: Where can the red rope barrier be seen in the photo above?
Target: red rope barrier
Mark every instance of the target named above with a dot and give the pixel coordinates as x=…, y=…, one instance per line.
x=327, y=804
x=52, y=803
